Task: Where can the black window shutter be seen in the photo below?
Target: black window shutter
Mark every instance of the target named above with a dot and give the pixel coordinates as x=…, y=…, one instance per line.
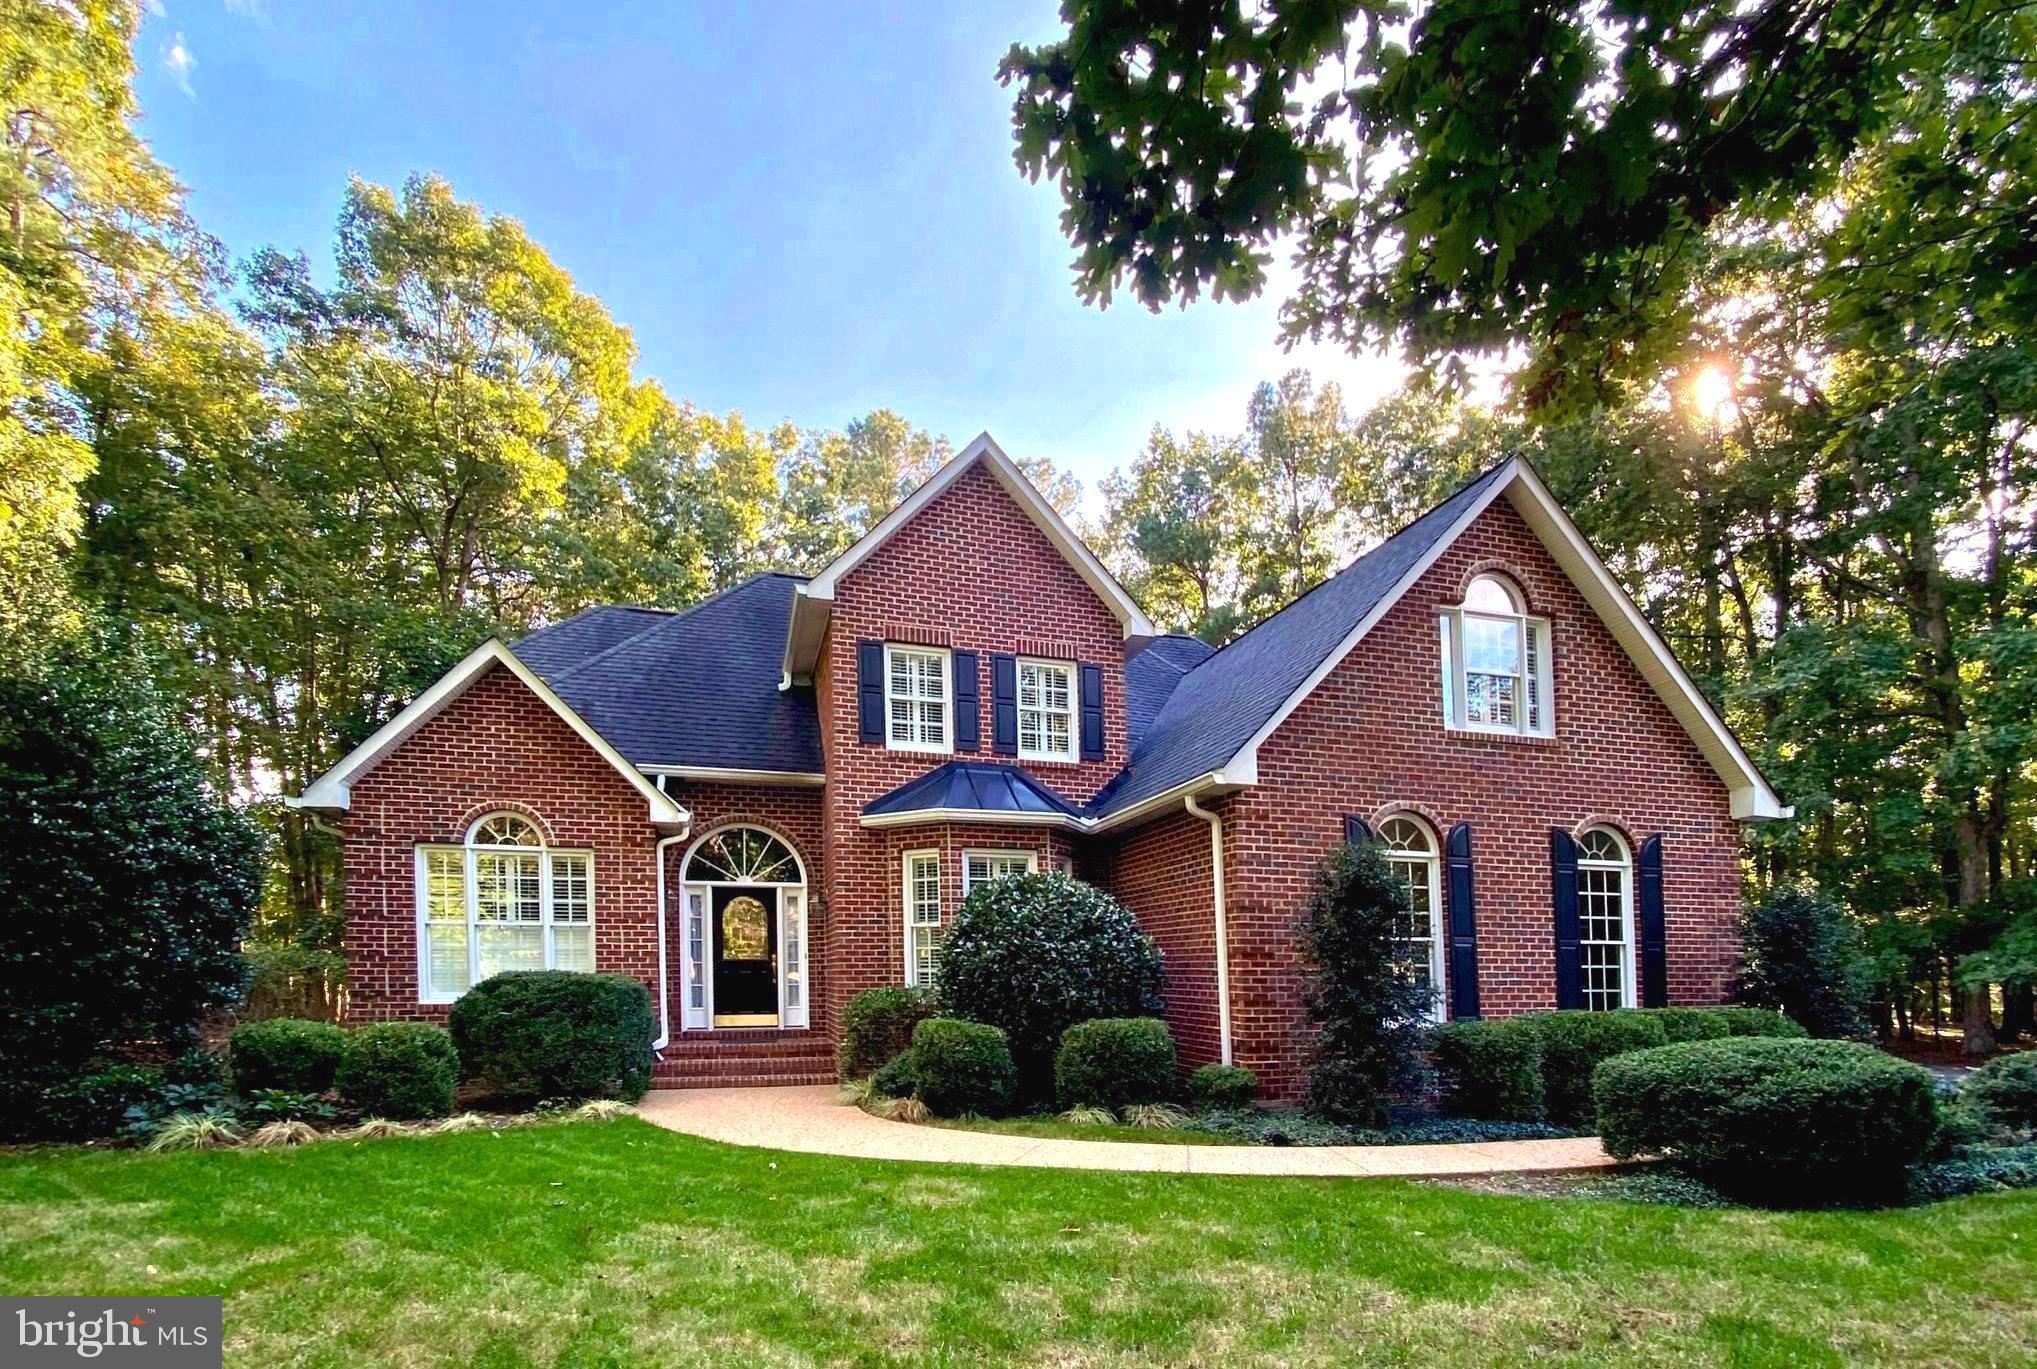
x=870, y=690
x=967, y=701
x=1463, y=922
x=1356, y=830
x=1563, y=894
x=1004, y=704
x=1092, y=711
x=1654, y=928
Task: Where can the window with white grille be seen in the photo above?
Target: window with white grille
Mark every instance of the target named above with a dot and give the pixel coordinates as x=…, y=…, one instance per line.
x=1496, y=666
x=503, y=901
x=981, y=867
x=922, y=916
x=1605, y=919
x=1410, y=850
x=1046, y=710
x=916, y=698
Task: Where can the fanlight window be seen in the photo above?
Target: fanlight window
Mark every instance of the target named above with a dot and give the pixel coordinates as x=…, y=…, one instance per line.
x=743, y=855
x=501, y=901
x=505, y=829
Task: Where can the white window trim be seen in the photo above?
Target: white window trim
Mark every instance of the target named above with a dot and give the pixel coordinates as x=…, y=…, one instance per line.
x=1454, y=673
x=1433, y=863
x=421, y=865
x=946, y=746
x=906, y=862
x=1073, y=754
x=1031, y=858
x=1629, y=967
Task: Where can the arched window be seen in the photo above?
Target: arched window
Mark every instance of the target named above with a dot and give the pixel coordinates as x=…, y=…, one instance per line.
x=743, y=855
x=743, y=931
x=503, y=900
x=1496, y=671
x=1410, y=848
x=1605, y=918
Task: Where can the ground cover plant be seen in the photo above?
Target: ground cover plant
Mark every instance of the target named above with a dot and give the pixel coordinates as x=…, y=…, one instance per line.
x=617, y=1243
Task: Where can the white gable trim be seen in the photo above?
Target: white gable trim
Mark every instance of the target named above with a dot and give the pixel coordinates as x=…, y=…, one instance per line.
x=1751, y=797
x=331, y=791
x=802, y=641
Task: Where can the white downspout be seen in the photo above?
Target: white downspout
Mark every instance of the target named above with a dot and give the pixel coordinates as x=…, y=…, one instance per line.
x=664, y=976
x=1216, y=883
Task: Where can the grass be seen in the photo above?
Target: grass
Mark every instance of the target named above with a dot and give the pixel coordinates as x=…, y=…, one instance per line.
x=602, y=1243
x=1053, y=1128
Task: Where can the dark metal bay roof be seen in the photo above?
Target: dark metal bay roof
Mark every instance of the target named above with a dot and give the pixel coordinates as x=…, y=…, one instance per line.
x=973, y=786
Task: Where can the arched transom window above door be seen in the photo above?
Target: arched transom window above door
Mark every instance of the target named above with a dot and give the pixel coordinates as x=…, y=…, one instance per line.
x=743, y=855
x=1497, y=672
x=742, y=931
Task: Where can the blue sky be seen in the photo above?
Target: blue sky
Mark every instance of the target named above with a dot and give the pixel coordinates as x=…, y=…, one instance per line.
x=799, y=215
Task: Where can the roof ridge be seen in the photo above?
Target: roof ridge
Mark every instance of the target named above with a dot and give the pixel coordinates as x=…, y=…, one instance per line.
x=1353, y=564
x=673, y=616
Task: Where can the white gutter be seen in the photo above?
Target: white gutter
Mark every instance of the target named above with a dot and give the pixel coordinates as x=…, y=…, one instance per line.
x=1216, y=871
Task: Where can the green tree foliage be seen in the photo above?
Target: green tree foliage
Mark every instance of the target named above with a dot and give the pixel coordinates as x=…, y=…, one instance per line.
x=1368, y=1010
x=129, y=881
x=1802, y=956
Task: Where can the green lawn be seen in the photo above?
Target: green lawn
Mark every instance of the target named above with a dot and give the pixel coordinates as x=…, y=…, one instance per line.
x=612, y=1243
x=1053, y=1128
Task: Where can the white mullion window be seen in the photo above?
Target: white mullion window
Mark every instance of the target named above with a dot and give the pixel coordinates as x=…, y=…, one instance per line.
x=922, y=916
x=1046, y=710
x=1496, y=667
x=981, y=867
x=1411, y=854
x=503, y=901
x=916, y=698
x=1605, y=920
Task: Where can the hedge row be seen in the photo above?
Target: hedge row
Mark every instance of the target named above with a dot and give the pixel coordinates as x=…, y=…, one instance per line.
x=1539, y=1066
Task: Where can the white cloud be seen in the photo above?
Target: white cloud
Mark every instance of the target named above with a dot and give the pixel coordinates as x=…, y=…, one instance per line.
x=178, y=58
x=249, y=9
x=155, y=9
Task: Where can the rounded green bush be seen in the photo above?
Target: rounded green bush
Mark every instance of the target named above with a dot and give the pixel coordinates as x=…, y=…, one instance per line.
x=556, y=1034
x=291, y=1053
x=962, y=1067
x=1574, y=1042
x=1692, y=1024
x=399, y=1070
x=1113, y=1062
x=92, y=1104
x=2007, y=1088
x=1034, y=955
x=1791, y=1119
x=1758, y=1022
x=896, y=1077
x=1229, y=1088
x=877, y=1026
x=1491, y=1070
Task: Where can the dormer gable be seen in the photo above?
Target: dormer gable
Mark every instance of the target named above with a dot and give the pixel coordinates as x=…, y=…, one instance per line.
x=813, y=604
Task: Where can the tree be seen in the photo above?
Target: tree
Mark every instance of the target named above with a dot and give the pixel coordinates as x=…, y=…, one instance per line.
x=1456, y=176
x=1370, y=1012
x=1802, y=956
x=838, y=484
x=130, y=880
x=1175, y=526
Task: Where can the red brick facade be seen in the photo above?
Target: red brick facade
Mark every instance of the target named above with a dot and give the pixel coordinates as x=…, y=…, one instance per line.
x=971, y=571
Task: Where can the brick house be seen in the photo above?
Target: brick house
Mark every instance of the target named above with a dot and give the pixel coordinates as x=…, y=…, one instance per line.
x=769, y=801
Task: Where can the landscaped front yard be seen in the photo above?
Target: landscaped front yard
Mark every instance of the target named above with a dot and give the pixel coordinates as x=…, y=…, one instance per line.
x=594, y=1243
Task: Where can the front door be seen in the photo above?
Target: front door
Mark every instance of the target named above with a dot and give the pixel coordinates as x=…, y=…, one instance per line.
x=745, y=957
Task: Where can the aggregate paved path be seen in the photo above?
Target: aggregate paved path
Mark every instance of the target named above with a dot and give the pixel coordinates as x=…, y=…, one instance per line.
x=810, y=1120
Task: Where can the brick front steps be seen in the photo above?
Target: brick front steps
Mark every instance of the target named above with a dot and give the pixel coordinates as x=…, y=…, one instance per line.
x=742, y=1058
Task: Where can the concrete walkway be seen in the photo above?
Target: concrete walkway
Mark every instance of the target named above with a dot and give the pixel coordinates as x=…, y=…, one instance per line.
x=810, y=1120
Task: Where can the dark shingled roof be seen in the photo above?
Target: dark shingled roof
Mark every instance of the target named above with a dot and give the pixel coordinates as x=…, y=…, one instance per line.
x=978, y=786
x=1151, y=675
x=694, y=688
x=1219, y=703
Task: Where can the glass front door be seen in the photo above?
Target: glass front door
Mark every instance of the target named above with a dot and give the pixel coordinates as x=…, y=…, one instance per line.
x=745, y=957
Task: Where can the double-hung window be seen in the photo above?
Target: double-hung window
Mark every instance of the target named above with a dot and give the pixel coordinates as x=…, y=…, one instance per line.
x=503, y=901
x=922, y=916
x=1046, y=710
x=1496, y=668
x=1411, y=854
x=1605, y=919
x=916, y=698
x=981, y=867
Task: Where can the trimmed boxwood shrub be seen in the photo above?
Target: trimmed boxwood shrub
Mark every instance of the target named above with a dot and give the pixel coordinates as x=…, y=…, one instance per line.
x=2006, y=1088
x=399, y=1070
x=962, y=1067
x=1782, y=1118
x=895, y=1078
x=291, y=1053
x=1230, y=1088
x=1692, y=1024
x=1758, y=1022
x=1034, y=955
x=1491, y=1070
x=556, y=1034
x=877, y=1026
x=1575, y=1042
x=1112, y=1062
